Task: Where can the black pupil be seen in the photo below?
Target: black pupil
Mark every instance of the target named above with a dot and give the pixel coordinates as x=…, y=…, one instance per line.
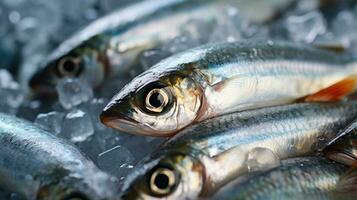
x=69, y=66
x=162, y=181
x=156, y=100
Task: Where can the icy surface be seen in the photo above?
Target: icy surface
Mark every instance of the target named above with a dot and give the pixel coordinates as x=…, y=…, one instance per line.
x=51, y=122
x=77, y=126
x=31, y=29
x=119, y=155
x=72, y=92
x=11, y=94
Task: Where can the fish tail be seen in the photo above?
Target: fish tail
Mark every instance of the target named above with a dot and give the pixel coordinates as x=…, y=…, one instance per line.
x=346, y=187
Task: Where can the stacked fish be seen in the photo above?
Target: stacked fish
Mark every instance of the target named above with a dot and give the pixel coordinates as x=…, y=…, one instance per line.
x=244, y=120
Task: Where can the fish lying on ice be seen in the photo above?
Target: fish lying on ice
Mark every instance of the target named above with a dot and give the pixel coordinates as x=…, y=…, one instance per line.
x=37, y=165
x=110, y=45
x=202, y=158
x=222, y=78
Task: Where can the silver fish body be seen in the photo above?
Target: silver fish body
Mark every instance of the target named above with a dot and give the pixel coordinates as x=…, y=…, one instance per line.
x=109, y=46
x=37, y=165
x=222, y=78
x=216, y=151
x=296, y=179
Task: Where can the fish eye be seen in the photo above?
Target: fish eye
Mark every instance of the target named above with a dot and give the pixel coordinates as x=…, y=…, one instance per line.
x=157, y=98
x=162, y=181
x=69, y=66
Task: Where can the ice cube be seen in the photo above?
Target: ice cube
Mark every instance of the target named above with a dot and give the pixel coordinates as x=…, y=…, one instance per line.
x=77, y=126
x=51, y=121
x=72, y=92
x=344, y=27
x=107, y=138
x=94, y=108
x=117, y=161
x=228, y=27
x=306, y=27
x=147, y=144
x=11, y=94
x=37, y=19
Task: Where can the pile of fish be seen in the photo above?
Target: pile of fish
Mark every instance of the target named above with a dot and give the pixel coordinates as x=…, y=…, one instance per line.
x=211, y=99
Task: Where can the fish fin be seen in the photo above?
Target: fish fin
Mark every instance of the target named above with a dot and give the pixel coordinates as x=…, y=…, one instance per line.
x=219, y=86
x=334, y=92
x=337, y=47
x=346, y=187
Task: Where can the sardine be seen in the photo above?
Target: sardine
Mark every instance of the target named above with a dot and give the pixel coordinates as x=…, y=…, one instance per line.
x=37, y=165
x=204, y=157
x=296, y=179
x=344, y=147
x=222, y=78
x=109, y=46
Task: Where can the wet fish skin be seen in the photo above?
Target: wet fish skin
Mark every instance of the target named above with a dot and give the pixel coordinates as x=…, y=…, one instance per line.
x=37, y=165
x=217, y=150
x=296, y=179
x=222, y=78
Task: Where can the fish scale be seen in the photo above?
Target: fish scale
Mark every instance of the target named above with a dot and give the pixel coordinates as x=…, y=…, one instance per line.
x=301, y=178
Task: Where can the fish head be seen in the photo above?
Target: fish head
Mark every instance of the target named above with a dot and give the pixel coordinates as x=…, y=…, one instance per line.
x=174, y=176
x=343, y=148
x=83, y=62
x=155, y=106
x=61, y=184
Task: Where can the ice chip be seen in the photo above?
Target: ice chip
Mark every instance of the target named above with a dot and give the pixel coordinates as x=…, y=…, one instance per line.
x=72, y=92
x=116, y=161
x=95, y=107
x=51, y=121
x=11, y=94
x=261, y=158
x=306, y=27
x=77, y=126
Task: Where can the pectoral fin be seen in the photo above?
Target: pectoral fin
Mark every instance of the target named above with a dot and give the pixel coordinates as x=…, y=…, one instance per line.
x=334, y=92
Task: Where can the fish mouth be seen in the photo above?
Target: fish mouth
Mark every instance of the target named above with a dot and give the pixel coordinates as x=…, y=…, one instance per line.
x=122, y=123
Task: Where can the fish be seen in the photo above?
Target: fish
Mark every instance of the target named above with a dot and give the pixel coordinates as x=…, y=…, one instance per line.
x=37, y=165
x=295, y=179
x=343, y=148
x=217, y=79
x=109, y=46
x=204, y=157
